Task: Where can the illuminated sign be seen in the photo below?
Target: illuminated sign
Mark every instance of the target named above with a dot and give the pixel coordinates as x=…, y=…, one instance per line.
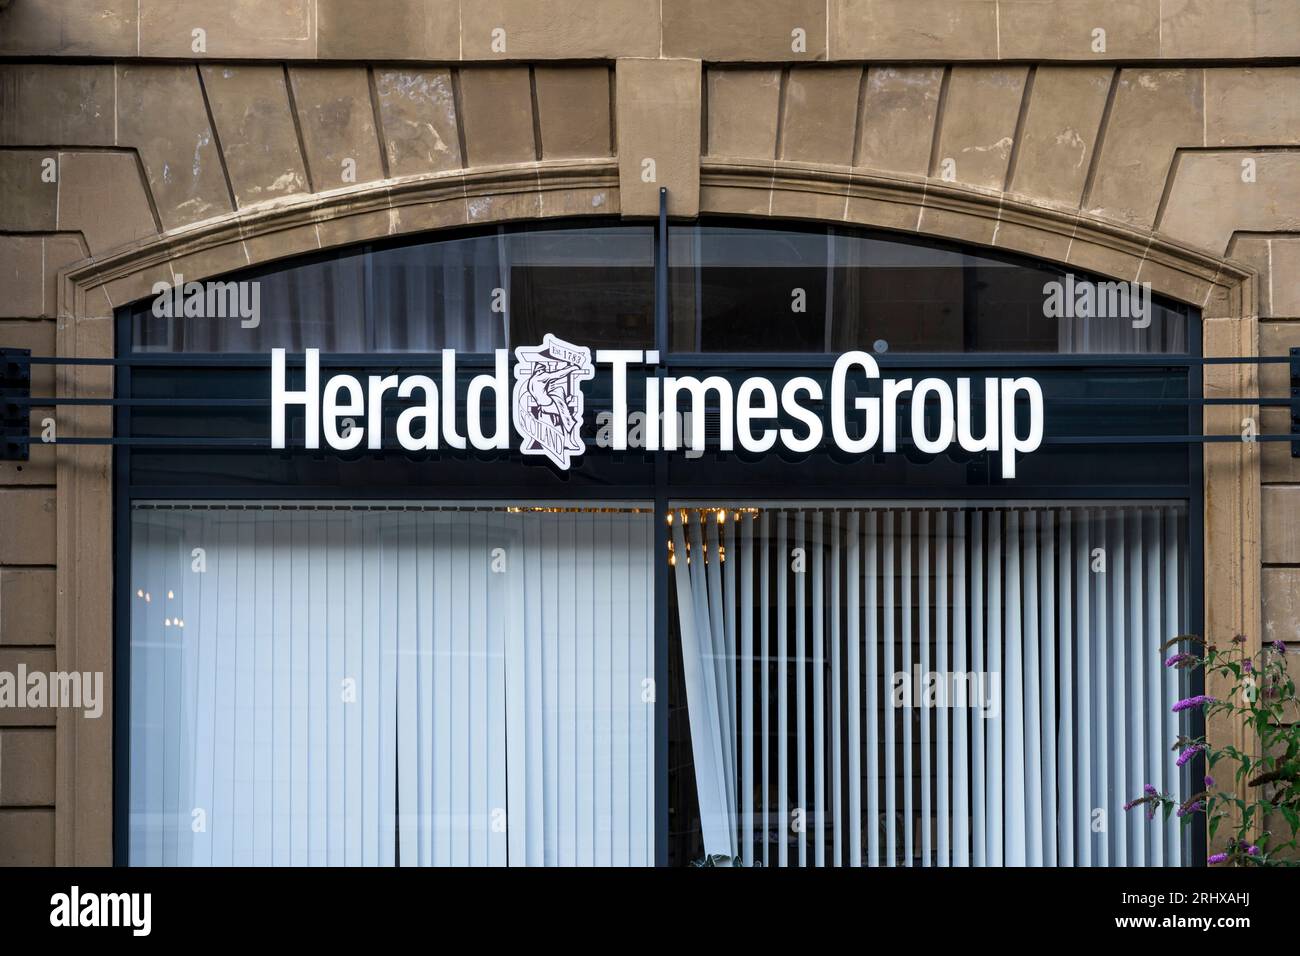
x=546, y=406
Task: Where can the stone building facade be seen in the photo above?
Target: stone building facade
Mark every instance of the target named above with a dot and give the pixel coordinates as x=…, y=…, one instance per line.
x=1147, y=140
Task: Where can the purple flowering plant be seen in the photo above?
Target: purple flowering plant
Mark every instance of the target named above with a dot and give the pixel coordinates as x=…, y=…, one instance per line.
x=1258, y=691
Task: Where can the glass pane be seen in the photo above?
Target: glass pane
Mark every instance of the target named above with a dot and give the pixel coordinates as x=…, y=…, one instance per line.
x=367, y=684
x=925, y=684
x=593, y=285
x=747, y=289
x=732, y=288
x=814, y=289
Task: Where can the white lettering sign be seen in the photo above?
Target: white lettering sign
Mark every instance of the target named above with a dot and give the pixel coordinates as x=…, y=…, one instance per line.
x=547, y=409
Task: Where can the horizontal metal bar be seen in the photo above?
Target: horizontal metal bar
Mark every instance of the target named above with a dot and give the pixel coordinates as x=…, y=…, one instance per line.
x=263, y=360
x=1158, y=439
x=1145, y=400
x=468, y=502
x=635, y=492
x=169, y=442
x=960, y=360
x=43, y=401
x=185, y=442
x=685, y=360
x=946, y=502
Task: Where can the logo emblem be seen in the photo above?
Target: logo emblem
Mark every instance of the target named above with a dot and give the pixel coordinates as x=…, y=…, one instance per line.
x=548, y=398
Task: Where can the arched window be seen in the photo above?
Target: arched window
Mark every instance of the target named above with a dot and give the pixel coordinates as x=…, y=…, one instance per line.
x=819, y=651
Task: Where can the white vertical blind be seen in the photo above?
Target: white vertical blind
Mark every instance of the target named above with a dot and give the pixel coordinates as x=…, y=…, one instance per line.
x=853, y=678
x=699, y=648
x=979, y=761
x=1047, y=681
x=1032, y=736
x=1085, y=780
x=943, y=748
x=837, y=776
x=798, y=580
x=890, y=782
x=908, y=780
x=1008, y=634
x=923, y=609
x=819, y=697
x=783, y=566
x=374, y=685
x=961, y=757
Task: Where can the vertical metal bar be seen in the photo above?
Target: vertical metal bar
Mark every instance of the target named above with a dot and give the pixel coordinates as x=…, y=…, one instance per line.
x=121, y=694
x=1196, y=560
x=661, y=556
x=765, y=695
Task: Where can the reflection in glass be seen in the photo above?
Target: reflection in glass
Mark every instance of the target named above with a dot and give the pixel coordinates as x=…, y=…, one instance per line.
x=732, y=288
x=591, y=285
x=816, y=289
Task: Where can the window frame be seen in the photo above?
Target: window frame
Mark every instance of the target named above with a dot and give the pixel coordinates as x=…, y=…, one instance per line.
x=661, y=490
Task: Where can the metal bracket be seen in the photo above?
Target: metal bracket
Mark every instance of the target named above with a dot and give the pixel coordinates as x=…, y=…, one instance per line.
x=1295, y=402
x=15, y=384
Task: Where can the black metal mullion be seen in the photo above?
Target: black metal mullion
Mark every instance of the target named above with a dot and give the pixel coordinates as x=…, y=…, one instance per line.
x=121, y=641
x=1196, y=563
x=660, y=555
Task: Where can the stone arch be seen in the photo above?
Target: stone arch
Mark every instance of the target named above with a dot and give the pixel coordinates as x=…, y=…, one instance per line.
x=89, y=291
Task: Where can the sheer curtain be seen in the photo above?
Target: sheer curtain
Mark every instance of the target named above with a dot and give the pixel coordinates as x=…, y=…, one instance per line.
x=417, y=298
x=1163, y=331
x=371, y=685
x=929, y=685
